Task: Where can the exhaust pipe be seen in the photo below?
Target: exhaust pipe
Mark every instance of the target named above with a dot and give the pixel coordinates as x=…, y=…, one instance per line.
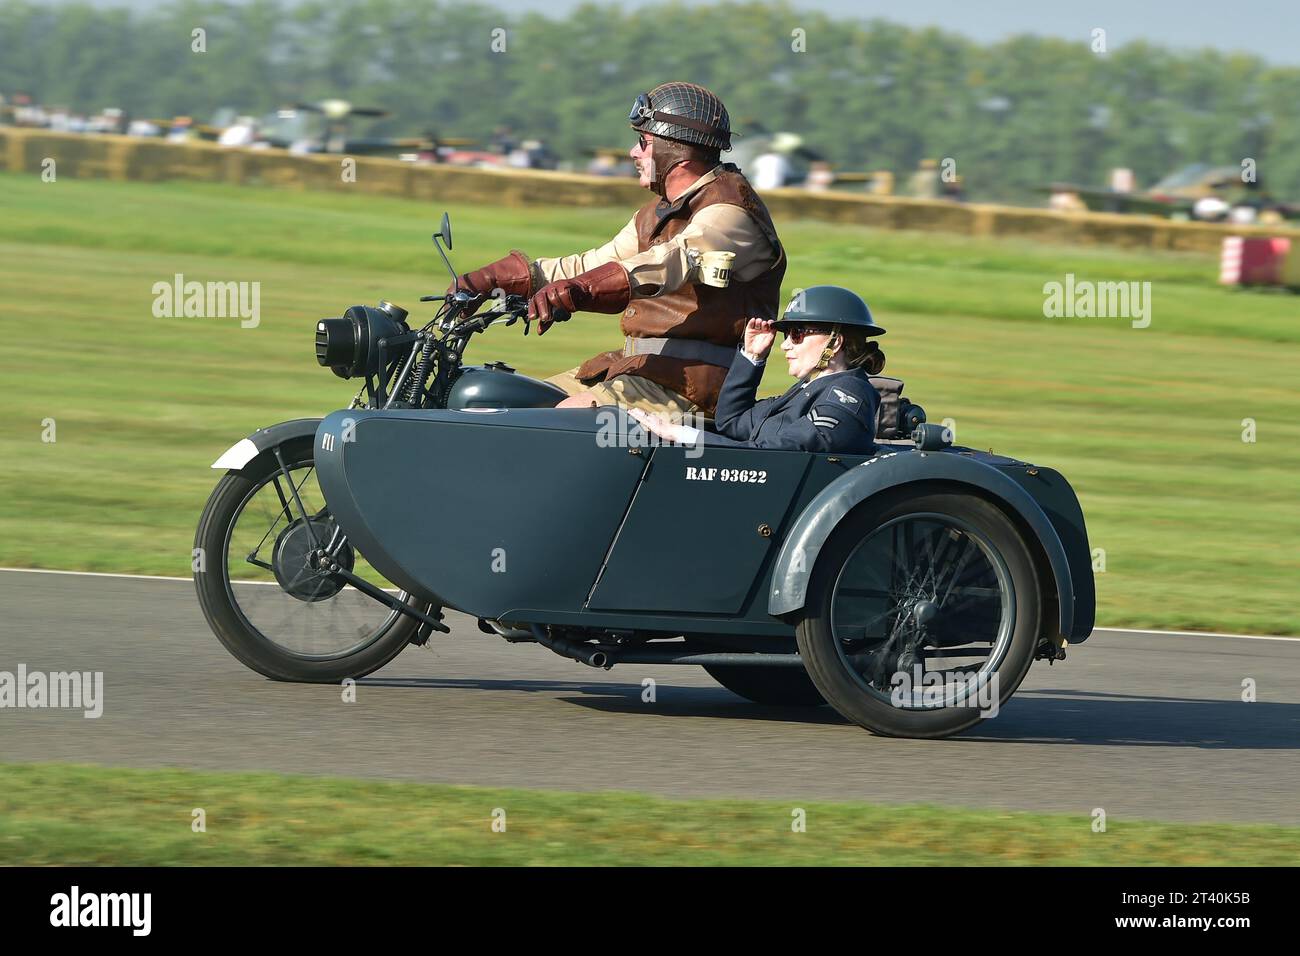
x=571, y=649
x=512, y=634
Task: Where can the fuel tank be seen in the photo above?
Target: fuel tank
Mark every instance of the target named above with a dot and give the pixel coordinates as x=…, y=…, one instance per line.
x=497, y=385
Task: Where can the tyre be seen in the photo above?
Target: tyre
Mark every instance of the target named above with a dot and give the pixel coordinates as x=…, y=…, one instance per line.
x=776, y=686
x=922, y=614
x=261, y=599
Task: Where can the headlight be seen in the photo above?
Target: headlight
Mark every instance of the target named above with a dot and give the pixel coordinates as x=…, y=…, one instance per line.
x=350, y=346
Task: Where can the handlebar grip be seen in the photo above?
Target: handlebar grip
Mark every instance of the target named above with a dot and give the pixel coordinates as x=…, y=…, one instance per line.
x=559, y=314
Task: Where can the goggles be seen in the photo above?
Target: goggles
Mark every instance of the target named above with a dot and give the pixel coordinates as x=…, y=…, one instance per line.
x=643, y=112
x=641, y=109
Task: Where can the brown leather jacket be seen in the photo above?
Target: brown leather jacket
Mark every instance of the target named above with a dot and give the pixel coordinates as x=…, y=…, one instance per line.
x=693, y=311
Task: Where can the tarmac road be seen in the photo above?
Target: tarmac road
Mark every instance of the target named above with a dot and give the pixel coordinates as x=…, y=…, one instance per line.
x=1142, y=724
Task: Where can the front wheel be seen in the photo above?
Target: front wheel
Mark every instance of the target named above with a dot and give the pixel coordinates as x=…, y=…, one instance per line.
x=922, y=614
x=261, y=597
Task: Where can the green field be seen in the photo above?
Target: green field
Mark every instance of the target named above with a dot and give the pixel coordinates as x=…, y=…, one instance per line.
x=76, y=815
x=1200, y=529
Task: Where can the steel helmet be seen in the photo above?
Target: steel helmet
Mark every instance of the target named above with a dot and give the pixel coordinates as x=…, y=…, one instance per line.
x=830, y=305
x=685, y=112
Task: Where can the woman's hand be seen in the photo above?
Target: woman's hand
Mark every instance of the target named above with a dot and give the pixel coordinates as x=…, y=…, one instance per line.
x=759, y=336
x=657, y=424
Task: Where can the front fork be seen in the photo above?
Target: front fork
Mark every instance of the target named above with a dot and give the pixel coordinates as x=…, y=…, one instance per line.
x=324, y=561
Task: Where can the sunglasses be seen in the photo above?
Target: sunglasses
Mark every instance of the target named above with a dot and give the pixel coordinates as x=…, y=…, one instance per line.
x=641, y=140
x=796, y=333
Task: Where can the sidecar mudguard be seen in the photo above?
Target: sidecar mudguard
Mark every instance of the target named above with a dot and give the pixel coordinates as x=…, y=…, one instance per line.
x=1070, y=569
x=238, y=455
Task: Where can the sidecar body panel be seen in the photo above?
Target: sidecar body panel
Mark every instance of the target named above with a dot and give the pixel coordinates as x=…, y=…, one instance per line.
x=477, y=516
x=700, y=529
x=534, y=516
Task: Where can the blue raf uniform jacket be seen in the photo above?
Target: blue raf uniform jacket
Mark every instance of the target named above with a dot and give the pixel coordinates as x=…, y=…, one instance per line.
x=835, y=412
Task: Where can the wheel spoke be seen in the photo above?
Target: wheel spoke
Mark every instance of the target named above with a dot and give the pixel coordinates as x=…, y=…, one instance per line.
x=947, y=587
x=971, y=591
x=867, y=625
x=284, y=510
x=935, y=554
x=968, y=549
x=284, y=502
x=314, y=618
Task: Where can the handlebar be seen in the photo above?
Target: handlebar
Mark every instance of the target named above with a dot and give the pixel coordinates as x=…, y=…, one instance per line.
x=513, y=308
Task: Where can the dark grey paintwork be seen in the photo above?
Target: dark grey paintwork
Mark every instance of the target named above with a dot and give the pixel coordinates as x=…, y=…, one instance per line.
x=1053, y=494
x=694, y=543
x=533, y=516
x=499, y=386
x=479, y=511
x=894, y=468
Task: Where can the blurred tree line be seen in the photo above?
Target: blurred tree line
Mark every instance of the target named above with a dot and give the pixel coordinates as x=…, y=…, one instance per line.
x=869, y=95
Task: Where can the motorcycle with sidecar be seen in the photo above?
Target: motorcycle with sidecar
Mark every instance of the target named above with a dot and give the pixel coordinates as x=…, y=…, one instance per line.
x=910, y=589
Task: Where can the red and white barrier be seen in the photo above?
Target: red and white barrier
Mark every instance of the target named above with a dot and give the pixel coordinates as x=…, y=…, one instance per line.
x=1258, y=261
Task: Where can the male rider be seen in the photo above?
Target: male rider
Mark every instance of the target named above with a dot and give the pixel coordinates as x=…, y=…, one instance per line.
x=680, y=334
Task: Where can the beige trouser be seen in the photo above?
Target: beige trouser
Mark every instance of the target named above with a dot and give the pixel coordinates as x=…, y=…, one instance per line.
x=630, y=391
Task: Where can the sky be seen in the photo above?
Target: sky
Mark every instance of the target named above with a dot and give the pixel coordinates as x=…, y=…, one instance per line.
x=1267, y=28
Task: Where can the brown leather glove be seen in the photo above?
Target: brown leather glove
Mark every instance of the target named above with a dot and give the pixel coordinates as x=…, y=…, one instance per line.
x=512, y=274
x=605, y=288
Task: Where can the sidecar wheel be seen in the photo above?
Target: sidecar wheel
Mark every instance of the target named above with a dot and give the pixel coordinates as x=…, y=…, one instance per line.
x=774, y=686
x=275, y=619
x=921, y=612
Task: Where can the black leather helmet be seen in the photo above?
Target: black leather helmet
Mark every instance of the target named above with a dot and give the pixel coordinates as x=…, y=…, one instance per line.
x=829, y=305
x=684, y=112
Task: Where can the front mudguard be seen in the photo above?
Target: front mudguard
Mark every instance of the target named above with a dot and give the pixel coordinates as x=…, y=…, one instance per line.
x=798, y=555
x=239, y=455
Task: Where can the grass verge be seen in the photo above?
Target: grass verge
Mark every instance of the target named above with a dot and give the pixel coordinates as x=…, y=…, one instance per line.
x=54, y=814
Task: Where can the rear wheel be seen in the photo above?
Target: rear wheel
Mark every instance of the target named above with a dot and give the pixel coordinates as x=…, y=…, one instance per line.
x=922, y=614
x=260, y=595
x=777, y=686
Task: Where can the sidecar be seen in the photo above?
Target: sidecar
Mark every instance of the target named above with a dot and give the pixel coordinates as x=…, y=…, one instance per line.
x=910, y=589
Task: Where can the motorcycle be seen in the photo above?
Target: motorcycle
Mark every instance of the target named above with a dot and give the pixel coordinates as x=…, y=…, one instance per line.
x=910, y=589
